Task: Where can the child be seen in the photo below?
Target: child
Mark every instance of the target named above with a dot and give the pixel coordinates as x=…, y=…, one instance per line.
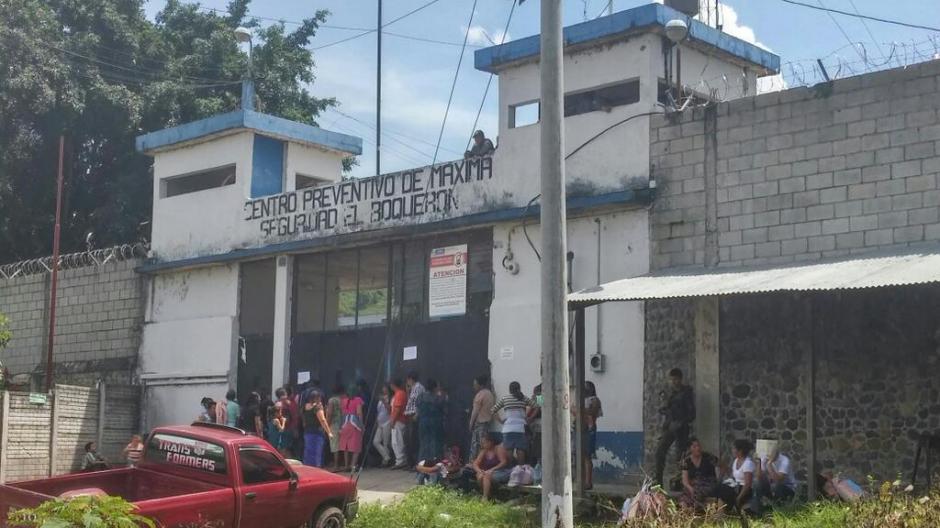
x=282, y=438
x=93, y=461
x=134, y=450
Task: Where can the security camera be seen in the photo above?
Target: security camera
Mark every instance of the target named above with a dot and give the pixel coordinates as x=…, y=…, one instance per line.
x=597, y=362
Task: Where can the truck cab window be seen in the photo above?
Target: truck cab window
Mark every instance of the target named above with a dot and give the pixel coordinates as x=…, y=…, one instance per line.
x=259, y=466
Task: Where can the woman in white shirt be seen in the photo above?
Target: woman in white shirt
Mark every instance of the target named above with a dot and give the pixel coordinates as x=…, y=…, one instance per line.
x=737, y=496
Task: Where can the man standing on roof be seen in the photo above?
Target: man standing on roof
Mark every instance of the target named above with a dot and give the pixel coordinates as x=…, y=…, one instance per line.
x=482, y=146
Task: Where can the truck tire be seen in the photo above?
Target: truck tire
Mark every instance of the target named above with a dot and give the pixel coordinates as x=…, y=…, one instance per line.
x=330, y=517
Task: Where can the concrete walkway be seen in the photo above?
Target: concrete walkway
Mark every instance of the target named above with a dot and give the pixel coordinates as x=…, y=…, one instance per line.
x=384, y=485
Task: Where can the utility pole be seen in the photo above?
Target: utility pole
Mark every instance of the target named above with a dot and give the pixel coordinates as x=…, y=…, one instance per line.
x=378, y=93
x=55, y=265
x=557, y=508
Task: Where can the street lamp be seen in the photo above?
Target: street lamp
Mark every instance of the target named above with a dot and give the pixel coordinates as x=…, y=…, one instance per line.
x=242, y=35
x=677, y=30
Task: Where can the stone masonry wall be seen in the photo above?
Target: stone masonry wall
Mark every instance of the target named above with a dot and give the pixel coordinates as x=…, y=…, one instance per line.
x=877, y=354
x=840, y=169
x=99, y=314
x=670, y=343
x=808, y=173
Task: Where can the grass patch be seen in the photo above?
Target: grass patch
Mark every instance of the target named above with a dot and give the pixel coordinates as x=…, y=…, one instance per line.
x=433, y=507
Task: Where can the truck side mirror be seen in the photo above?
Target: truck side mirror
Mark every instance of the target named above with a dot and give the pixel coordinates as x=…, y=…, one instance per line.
x=292, y=483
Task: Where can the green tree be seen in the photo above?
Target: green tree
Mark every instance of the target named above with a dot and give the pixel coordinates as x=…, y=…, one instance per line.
x=101, y=73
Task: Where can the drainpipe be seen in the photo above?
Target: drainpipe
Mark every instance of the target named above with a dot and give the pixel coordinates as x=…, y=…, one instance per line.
x=600, y=320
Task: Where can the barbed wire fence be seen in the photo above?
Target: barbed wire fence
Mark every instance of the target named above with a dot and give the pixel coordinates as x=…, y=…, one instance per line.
x=852, y=59
x=95, y=257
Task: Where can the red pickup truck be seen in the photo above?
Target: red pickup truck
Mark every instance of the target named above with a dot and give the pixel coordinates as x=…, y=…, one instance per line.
x=207, y=475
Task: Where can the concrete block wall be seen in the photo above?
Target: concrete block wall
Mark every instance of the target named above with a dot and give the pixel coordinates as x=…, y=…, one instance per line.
x=122, y=419
x=76, y=414
x=26, y=451
x=99, y=314
x=42, y=439
x=837, y=169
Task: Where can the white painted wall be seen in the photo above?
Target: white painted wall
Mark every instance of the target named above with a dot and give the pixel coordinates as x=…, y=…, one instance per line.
x=201, y=219
x=189, y=341
x=311, y=161
x=516, y=305
x=210, y=221
x=609, y=162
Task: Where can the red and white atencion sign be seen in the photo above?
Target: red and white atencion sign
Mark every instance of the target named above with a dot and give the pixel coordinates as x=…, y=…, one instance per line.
x=447, y=288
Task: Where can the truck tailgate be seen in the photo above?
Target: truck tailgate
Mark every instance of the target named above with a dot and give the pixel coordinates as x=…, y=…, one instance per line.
x=14, y=498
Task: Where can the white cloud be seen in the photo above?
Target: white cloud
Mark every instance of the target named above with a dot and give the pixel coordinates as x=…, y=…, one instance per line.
x=480, y=36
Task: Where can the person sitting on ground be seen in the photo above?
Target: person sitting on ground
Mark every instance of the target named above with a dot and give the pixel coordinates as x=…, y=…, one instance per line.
x=737, y=494
x=92, y=460
x=437, y=470
x=774, y=479
x=699, y=475
x=134, y=450
x=492, y=465
x=481, y=146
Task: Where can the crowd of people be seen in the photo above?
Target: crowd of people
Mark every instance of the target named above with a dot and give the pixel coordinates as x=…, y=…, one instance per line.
x=404, y=423
x=743, y=485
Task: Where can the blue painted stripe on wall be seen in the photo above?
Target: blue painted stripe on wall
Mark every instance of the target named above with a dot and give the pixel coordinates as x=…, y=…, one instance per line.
x=267, y=167
x=619, y=453
x=492, y=58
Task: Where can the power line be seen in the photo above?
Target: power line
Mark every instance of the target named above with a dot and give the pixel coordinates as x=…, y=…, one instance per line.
x=861, y=16
x=841, y=30
x=123, y=72
x=346, y=28
x=370, y=31
x=868, y=29
x=453, y=85
x=489, y=80
x=372, y=127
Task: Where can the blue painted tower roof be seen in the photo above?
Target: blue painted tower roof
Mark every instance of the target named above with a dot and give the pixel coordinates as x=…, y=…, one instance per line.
x=647, y=18
x=249, y=120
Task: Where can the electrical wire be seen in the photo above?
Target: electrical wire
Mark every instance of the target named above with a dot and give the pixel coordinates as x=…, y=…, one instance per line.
x=370, y=31
x=453, y=85
x=372, y=127
x=841, y=30
x=130, y=74
x=525, y=221
x=602, y=132
x=347, y=28
x=861, y=16
x=868, y=29
x=489, y=80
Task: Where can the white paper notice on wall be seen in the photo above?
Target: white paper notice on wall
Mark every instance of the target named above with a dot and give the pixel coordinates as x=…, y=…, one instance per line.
x=410, y=353
x=303, y=377
x=447, y=283
x=506, y=353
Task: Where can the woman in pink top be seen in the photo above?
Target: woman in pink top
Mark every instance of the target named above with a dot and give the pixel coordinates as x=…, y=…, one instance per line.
x=350, y=435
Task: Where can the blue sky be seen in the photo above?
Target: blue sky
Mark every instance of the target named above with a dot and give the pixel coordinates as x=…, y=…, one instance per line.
x=417, y=75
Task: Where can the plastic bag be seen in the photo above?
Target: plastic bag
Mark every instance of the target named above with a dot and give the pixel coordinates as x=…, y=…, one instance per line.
x=521, y=476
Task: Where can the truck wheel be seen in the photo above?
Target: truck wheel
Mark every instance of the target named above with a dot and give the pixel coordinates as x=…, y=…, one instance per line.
x=329, y=518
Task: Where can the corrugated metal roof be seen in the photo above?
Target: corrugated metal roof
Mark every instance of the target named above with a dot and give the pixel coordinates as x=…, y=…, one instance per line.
x=868, y=272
